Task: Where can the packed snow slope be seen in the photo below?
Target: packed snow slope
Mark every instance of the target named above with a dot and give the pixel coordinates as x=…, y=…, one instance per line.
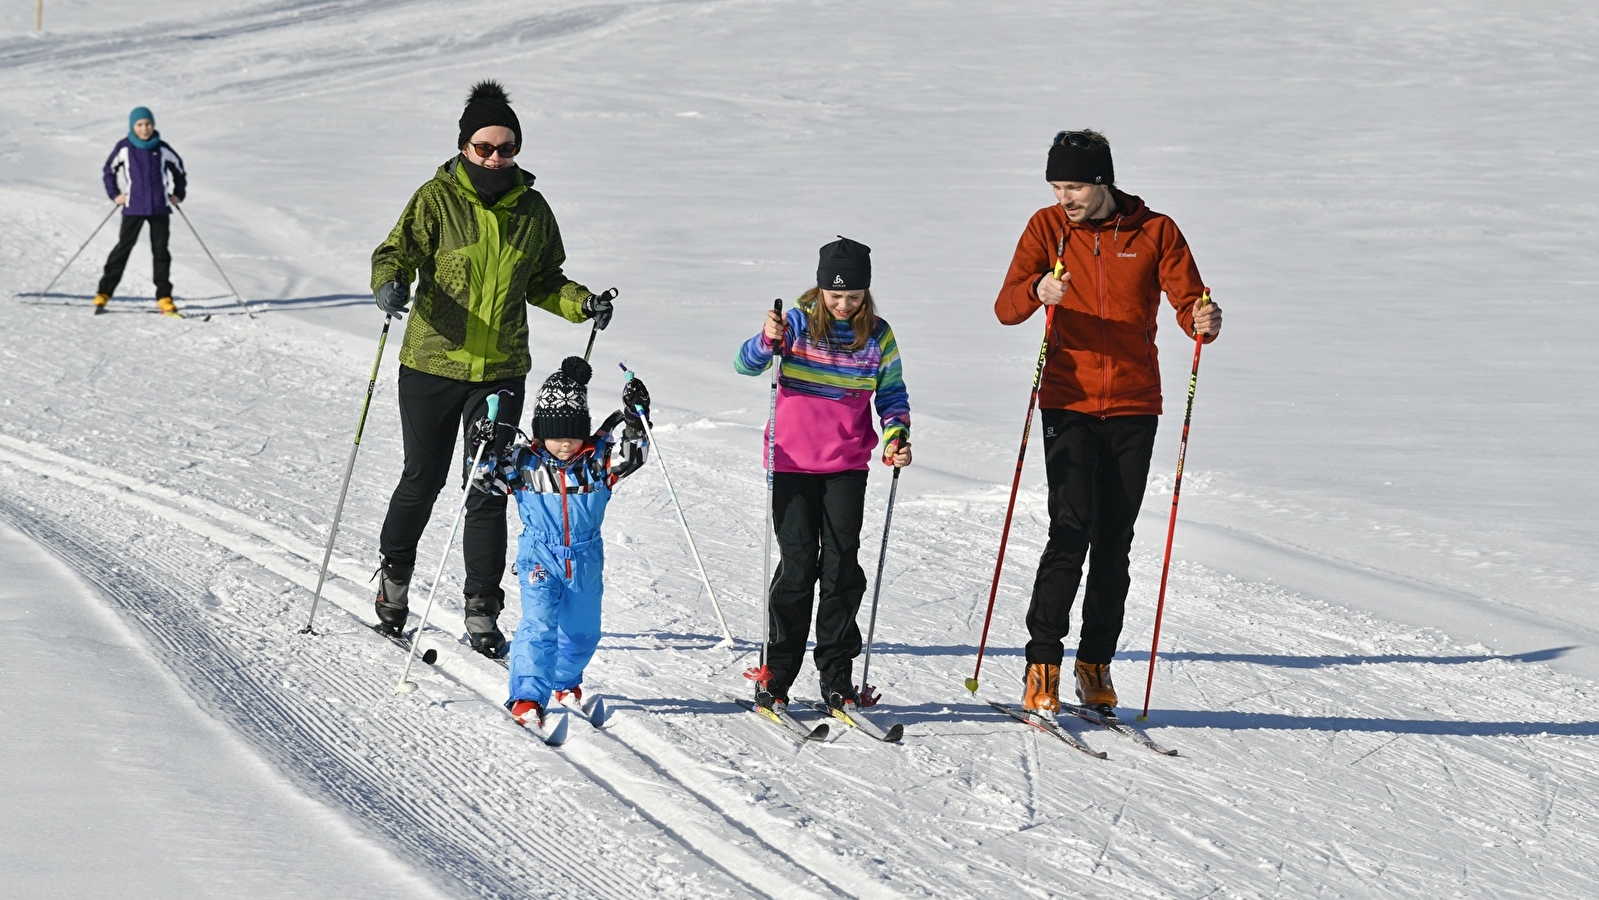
x=1378, y=655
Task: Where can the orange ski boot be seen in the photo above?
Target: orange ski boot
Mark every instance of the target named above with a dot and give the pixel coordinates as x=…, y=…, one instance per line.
x=168, y=308
x=1094, y=689
x=1043, y=688
x=100, y=300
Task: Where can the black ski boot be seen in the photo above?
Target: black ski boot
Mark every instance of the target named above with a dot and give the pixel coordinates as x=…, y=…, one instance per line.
x=838, y=691
x=394, y=596
x=482, y=626
x=766, y=699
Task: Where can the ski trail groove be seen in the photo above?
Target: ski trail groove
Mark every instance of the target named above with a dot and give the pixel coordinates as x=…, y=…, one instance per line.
x=715, y=832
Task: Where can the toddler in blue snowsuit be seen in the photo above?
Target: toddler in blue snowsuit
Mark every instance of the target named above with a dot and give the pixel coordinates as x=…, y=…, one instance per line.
x=562, y=480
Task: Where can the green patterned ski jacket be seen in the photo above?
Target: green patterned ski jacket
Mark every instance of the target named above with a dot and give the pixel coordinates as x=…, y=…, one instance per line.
x=476, y=270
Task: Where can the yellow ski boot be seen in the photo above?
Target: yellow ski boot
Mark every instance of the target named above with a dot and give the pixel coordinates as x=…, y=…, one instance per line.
x=168, y=308
x=100, y=300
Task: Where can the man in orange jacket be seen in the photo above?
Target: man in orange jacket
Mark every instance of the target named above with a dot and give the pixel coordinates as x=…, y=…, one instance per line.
x=1102, y=259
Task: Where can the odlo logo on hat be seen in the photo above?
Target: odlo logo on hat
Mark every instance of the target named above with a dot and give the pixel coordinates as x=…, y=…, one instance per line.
x=838, y=281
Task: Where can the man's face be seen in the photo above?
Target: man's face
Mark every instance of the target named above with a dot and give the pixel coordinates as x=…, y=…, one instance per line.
x=143, y=128
x=1081, y=201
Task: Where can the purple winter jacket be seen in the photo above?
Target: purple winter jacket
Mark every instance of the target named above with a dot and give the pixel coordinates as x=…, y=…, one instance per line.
x=146, y=176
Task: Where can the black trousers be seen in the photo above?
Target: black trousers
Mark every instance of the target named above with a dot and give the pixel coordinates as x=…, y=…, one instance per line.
x=433, y=410
x=1097, y=470
x=160, y=230
x=818, y=519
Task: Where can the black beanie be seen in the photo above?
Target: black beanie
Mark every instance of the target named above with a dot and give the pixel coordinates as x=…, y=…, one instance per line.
x=487, y=106
x=845, y=265
x=562, y=407
x=1085, y=165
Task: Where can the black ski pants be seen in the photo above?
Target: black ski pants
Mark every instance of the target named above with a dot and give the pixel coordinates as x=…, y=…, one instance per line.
x=1097, y=470
x=433, y=410
x=818, y=519
x=160, y=231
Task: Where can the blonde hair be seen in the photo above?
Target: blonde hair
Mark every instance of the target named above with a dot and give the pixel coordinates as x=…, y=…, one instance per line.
x=822, y=320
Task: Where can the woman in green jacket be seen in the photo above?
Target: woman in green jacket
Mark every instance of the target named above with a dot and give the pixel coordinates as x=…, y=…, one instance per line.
x=482, y=246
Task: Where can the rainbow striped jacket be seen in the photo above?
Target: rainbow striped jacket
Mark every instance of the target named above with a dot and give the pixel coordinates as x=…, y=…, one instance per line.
x=824, y=423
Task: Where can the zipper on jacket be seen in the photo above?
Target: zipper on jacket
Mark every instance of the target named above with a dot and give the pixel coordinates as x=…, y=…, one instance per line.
x=1104, y=332
x=566, y=521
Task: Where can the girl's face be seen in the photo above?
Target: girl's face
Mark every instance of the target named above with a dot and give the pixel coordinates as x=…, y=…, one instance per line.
x=843, y=304
x=143, y=129
x=563, y=449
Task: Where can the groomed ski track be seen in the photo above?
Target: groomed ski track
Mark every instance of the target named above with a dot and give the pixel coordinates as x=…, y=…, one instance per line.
x=680, y=793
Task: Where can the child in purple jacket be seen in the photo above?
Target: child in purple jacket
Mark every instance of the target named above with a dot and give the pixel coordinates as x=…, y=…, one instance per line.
x=145, y=177
x=839, y=360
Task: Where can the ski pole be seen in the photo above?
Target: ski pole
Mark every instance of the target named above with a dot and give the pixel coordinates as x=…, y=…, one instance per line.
x=349, y=469
x=1016, y=483
x=236, y=296
x=405, y=685
x=595, y=331
x=79, y=252
x=649, y=433
x=762, y=674
x=1176, y=493
x=868, y=697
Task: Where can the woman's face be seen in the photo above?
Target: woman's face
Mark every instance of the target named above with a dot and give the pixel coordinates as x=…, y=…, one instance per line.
x=843, y=304
x=499, y=136
x=143, y=128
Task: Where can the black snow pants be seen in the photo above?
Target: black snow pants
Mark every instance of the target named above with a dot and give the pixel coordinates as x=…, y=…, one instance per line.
x=1097, y=471
x=433, y=410
x=161, y=257
x=818, y=519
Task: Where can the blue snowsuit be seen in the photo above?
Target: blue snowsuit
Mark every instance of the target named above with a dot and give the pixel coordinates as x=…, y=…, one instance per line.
x=560, y=558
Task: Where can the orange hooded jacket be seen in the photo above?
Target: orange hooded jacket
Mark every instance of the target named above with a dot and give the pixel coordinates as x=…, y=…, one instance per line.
x=1102, y=358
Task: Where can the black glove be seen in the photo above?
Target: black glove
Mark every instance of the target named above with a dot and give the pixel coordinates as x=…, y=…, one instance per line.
x=392, y=298
x=599, y=308
x=634, y=396
x=481, y=432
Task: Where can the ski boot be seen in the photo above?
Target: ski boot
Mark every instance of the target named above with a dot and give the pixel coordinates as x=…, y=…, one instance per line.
x=575, y=692
x=837, y=692
x=766, y=699
x=525, y=711
x=1043, y=688
x=393, y=601
x=100, y=301
x=482, y=626
x=168, y=308
x=1094, y=689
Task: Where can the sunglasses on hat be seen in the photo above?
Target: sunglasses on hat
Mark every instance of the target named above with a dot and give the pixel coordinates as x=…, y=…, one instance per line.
x=1079, y=139
x=486, y=149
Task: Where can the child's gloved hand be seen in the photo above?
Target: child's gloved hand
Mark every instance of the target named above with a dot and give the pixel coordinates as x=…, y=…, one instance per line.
x=897, y=453
x=635, y=397
x=481, y=432
x=496, y=476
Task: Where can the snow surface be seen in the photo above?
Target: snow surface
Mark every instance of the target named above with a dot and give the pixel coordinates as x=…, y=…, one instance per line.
x=1379, y=652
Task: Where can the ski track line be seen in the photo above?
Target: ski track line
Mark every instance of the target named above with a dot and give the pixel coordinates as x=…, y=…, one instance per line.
x=717, y=840
x=326, y=759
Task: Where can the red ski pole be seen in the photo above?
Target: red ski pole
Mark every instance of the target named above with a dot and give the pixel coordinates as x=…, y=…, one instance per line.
x=1176, y=494
x=1016, y=482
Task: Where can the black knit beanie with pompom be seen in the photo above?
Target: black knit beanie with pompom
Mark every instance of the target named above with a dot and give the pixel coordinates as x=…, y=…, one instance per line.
x=562, y=407
x=487, y=105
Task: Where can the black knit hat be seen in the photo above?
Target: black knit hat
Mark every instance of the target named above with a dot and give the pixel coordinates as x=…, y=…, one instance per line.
x=562, y=407
x=845, y=265
x=488, y=105
x=1080, y=156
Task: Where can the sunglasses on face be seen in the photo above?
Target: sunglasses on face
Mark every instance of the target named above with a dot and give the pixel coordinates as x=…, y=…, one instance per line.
x=486, y=149
x=1078, y=139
